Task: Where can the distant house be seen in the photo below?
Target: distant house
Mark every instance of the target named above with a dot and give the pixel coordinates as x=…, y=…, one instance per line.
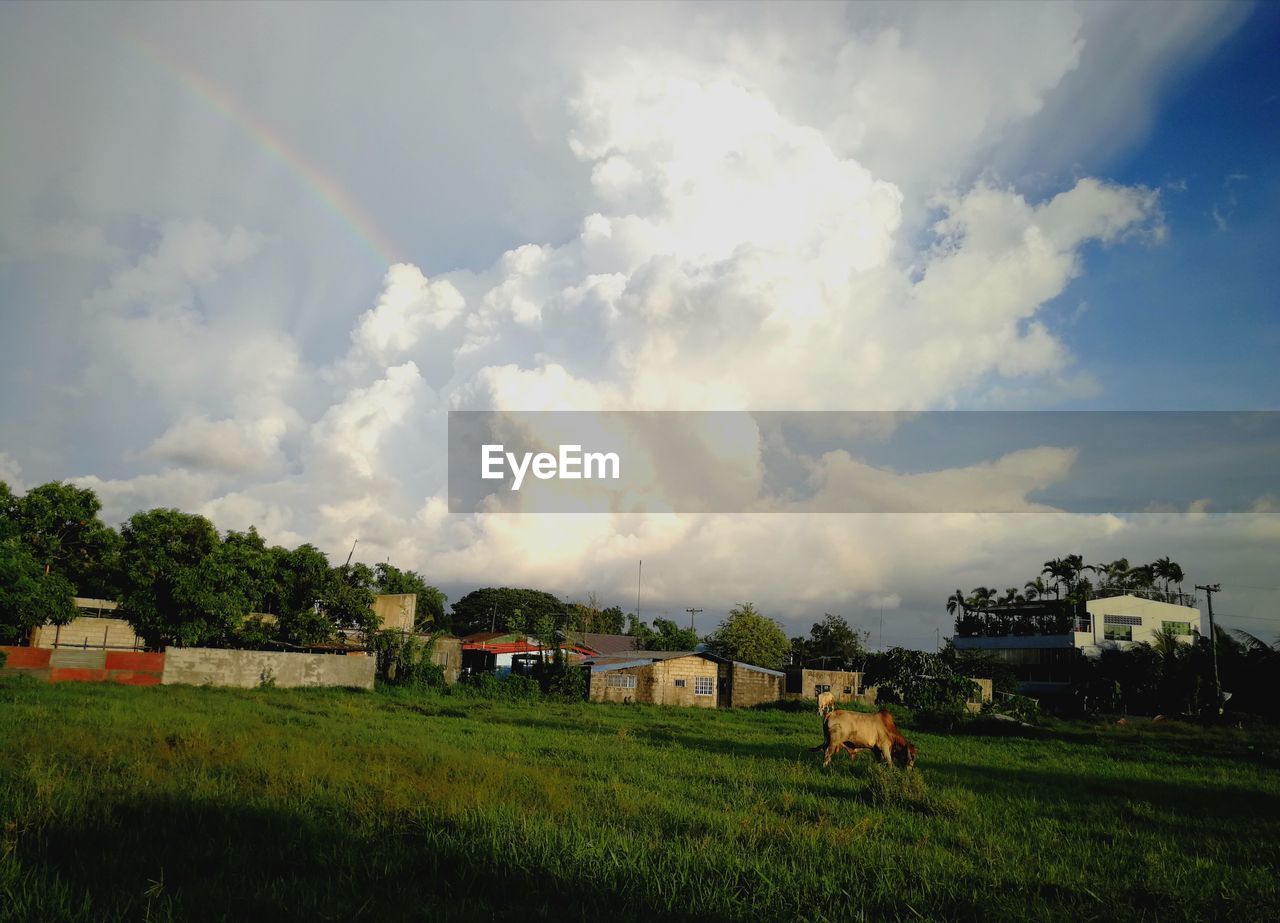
x=803, y=683
x=655, y=678
x=1042, y=640
x=504, y=651
x=690, y=678
x=601, y=645
x=743, y=684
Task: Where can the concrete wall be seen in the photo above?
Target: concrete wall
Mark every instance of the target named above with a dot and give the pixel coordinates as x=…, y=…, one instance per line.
x=447, y=654
x=395, y=610
x=656, y=683
x=87, y=666
x=198, y=666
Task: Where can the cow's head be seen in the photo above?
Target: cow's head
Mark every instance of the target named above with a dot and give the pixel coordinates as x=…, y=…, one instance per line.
x=905, y=753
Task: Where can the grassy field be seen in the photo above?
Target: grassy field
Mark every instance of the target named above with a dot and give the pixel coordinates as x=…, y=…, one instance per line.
x=185, y=803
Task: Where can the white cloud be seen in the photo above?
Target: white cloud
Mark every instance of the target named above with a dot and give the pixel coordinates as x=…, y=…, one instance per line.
x=747, y=208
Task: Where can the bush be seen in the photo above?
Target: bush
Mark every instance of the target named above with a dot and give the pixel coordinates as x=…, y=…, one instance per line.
x=568, y=683
x=921, y=681
x=3, y=657
x=510, y=688
x=404, y=660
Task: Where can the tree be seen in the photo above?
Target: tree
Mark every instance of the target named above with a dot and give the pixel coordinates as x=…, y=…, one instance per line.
x=645, y=636
x=348, y=600
x=919, y=680
x=671, y=637
x=611, y=621
x=750, y=637
x=28, y=596
x=162, y=549
x=300, y=585
x=498, y=606
x=429, y=609
x=59, y=526
x=835, y=645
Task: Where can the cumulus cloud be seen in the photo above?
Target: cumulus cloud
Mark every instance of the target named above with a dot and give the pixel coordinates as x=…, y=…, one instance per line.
x=760, y=214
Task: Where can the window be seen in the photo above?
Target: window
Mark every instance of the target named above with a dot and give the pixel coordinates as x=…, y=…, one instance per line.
x=704, y=685
x=1118, y=632
x=1181, y=628
x=1122, y=620
x=819, y=689
x=620, y=681
x=680, y=684
x=848, y=690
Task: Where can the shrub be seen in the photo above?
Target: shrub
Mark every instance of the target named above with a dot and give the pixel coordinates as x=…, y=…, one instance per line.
x=404, y=660
x=568, y=683
x=510, y=688
x=3, y=657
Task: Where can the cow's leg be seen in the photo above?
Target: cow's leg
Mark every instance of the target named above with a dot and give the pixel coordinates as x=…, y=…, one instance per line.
x=886, y=751
x=831, y=751
x=853, y=752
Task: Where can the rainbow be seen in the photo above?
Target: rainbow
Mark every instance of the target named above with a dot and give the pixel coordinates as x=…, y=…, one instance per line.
x=321, y=184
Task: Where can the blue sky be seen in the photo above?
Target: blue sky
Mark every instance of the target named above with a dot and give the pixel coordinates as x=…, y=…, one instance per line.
x=629, y=206
x=1194, y=323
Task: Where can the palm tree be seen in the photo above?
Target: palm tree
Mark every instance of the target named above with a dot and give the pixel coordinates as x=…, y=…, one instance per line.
x=1055, y=570
x=1142, y=578
x=1169, y=572
x=1035, y=588
x=957, y=601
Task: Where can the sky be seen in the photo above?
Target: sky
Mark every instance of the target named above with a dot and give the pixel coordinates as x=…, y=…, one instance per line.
x=252, y=254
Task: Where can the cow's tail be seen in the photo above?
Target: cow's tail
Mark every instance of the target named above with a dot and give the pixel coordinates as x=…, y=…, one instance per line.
x=826, y=737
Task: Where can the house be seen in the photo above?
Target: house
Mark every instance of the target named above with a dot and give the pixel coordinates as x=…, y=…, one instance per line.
x=803, y=683
x=1043, y=640
x=690, y=678
x=503, y=651
x=656, y=678
x=601, y=645
x=742, y=685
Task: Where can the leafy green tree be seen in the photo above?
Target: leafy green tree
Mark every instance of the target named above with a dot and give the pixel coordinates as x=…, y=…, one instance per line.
x=645, y=636
x=58, y=524
x=920, y=680
x=429, y=609
x=299, y=588
x=611, y=621
x=163, y=550
x=29, y=596
x=750, y=637
x=498, y=606
x=835, y=645
x=349, y=598
x=671, y=637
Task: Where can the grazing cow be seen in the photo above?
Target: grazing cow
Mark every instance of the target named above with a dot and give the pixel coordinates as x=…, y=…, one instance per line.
x=855, y=731
x=826, y=703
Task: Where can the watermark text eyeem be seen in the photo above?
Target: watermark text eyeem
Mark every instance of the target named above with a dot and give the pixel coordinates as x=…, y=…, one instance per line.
x=570, y=464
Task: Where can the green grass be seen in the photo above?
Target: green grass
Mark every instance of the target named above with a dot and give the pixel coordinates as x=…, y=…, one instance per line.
x=200, y=804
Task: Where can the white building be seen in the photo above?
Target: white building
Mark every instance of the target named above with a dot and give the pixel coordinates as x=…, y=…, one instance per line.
x=1044, y=661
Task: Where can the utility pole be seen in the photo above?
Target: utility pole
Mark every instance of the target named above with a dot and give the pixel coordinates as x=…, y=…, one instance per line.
x=1209, y=590
x=692, y=613
x=351, y=552
x=639, y=574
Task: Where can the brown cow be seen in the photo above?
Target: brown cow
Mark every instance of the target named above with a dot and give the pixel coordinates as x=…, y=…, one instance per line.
x=855, y=731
